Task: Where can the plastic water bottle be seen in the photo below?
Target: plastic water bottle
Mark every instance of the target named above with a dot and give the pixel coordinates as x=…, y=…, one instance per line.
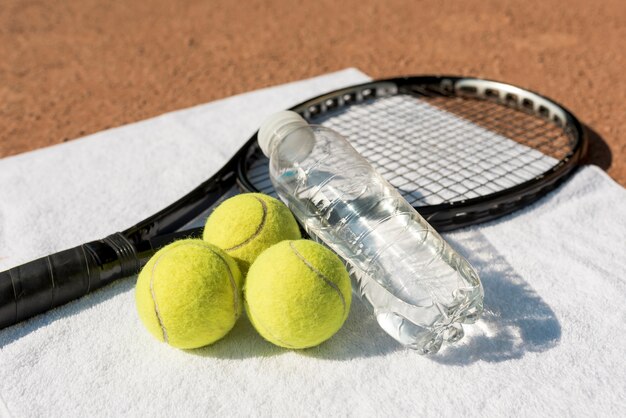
x=417, y=286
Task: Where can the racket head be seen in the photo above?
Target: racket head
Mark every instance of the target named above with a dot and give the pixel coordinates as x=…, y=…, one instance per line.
x=461, y=150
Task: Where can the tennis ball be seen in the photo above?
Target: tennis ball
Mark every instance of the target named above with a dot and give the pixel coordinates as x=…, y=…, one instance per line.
x=189, y=294
x=297, y=294
x=249, y=223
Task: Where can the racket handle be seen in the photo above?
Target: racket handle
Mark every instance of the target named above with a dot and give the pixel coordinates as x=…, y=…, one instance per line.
x=54, y=280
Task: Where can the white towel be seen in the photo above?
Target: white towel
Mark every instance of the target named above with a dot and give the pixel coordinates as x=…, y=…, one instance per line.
x=550, y=343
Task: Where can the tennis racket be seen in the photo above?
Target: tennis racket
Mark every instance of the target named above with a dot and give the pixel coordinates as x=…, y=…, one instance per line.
x=461, y=150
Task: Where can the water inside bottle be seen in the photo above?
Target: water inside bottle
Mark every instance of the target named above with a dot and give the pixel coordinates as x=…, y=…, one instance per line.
x=418, y=287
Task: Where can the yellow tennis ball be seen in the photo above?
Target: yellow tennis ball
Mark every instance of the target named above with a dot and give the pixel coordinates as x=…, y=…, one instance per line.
x=189, y=294
x=247, y=224
x=297, y=294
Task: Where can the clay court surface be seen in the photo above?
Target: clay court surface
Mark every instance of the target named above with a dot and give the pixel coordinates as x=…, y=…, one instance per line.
x=75, y=67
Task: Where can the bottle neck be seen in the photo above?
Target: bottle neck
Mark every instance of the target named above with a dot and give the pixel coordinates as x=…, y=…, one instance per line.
x=275, y=128
x=282, y=133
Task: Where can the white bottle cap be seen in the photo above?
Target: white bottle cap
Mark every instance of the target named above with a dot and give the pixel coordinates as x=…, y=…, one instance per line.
x=278, y=125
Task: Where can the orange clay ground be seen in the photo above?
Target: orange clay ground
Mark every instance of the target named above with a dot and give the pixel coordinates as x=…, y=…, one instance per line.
x=71, y=68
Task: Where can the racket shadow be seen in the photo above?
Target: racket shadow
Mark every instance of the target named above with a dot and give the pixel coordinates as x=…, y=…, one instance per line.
x=89, y=301
x=599, y=152
x=516, y=319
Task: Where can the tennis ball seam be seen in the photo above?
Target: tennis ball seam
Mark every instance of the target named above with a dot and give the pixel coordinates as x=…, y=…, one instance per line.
x=258, y=230
x=154, y=299
x=320, y=275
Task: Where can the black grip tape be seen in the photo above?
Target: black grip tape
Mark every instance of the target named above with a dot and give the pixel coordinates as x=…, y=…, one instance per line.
x=42, y=284
x=51, y=281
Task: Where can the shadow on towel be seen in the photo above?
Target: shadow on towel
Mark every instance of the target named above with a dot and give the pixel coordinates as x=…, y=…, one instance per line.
x=359, y=337
x=516, y=320
x=599, y=152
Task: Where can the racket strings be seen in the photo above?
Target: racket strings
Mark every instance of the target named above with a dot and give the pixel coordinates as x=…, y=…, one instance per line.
x=438, y=148
x=449, y=152
x=521, y=127
x=514, y=123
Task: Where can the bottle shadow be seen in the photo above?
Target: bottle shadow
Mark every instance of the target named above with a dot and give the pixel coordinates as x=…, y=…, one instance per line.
x=516, y=319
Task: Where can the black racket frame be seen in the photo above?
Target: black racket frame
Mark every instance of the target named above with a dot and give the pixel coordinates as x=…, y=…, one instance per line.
x=51, y=281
